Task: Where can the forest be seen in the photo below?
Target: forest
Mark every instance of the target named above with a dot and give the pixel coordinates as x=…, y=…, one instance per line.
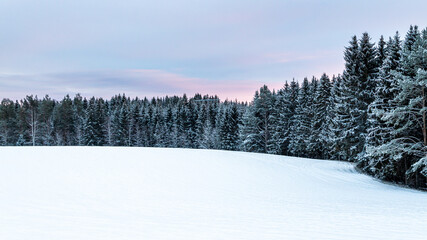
x=373, y=114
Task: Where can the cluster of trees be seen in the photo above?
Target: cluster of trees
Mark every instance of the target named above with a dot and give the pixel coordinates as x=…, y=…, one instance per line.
x=198, y=122
x=373, y=114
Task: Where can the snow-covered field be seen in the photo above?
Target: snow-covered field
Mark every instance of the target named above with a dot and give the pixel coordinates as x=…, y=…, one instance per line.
x=147, y=193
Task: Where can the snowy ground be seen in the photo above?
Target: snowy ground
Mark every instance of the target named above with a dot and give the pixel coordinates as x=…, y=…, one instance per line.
x=145, y=193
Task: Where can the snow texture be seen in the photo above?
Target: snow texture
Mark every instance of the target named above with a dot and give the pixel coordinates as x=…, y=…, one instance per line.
x=153, y=193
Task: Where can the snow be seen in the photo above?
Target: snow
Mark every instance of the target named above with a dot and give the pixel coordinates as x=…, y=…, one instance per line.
x=148, y=193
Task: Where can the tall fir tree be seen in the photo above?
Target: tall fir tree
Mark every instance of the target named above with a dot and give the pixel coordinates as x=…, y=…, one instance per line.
x=408, y=116
x=301, y=124
x=64, y=122
x=283, y=114
x=120, y=126
x=229, y=131
x=374, y=159
x=318, y=140
x=8, y=123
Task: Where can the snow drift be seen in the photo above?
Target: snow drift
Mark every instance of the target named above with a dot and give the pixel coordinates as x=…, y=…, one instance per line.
x=148, y=193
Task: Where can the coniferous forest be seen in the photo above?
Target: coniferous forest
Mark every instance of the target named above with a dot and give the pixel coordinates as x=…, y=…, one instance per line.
x=373, y=114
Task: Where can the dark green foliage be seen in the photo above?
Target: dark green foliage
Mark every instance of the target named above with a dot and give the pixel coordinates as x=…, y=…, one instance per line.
x=258, y=127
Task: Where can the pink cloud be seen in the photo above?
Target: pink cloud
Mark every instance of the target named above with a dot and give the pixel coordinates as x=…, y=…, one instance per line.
x=133, y=82
x=226, y=89
x=141, y=83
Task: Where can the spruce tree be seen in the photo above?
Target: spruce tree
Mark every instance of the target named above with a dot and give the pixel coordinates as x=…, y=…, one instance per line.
x=301, y=124
x=120, y=126
x=250, y=140
x=64, y=122
x=357, y=88
x=319, y=124
x=379, y=133
x=337, y=112
x=408, y=146
x=8, y=123
x=229, y=134
x=46, y=127
x=283, y=115
x=93, y=124
x=381, y=51
x=263, y=107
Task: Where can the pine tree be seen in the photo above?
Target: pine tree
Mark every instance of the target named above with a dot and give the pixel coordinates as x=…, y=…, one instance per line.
x=319, y=125
x=134, y=124
x=170, y=134
x=381, y=51
x=22, y=121
x=229, y=134
x=79, y=112
x=190, y=125
x=356, y=93
x=250, y=141
x=200, y=124
x=159, y=129
x=301, y=124
x=46, y=127
x=335, y=118
x=408, y=118
x=120, y=126
x=262, y=110
x=368, y=70
x=93, y=125
x=31, y=107
x=375, y=160
x=8, y=123
x=283, y=114
x=64, y=122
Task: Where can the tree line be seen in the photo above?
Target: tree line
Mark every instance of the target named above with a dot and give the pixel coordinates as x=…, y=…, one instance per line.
x=373, y=114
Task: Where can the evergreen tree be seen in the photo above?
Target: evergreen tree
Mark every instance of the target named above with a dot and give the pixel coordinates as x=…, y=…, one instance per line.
x=93, y=125
x=120, y=126
x=335, y=119
x=408, y=117
x=250, y=140
x=229, y=132
x=31, y=107
x=374, y=160
x=190, y=125
x=356, y=93
x=79, y=112
x=159, y=130
x=368, y=70
x=202, y=118
x=8, y=123
x=64, y=122
x=170, y=134
x=46, y=127
x=381, y=51
x=301, y=124
x=283, y=115
x=262, y=109
x=318, y=140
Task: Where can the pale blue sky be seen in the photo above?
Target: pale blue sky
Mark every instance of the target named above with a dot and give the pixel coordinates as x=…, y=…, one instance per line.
x=157, y=48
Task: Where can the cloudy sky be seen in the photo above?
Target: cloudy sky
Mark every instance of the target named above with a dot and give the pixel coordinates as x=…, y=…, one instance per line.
x=158, y=48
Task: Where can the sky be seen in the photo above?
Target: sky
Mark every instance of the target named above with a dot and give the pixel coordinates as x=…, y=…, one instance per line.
x=157, y=48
